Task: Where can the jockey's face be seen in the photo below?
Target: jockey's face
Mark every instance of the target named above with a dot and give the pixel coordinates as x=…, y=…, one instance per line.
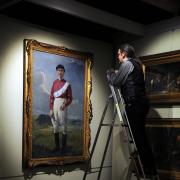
x=60, y=73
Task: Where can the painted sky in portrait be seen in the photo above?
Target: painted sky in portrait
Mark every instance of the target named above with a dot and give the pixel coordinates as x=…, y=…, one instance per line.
x=44, y=73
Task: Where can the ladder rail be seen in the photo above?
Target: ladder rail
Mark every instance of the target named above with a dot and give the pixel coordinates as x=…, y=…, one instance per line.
x=123, y=118
x=107, y=143
x=130, y=131
x=123, y=112
x=97, y=135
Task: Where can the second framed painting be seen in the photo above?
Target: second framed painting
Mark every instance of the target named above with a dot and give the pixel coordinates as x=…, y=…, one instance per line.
x=162, y=77
x=57, y=107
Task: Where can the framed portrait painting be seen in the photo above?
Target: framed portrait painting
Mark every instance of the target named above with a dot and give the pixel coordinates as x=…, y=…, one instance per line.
x=57, y=107
x=162, y=77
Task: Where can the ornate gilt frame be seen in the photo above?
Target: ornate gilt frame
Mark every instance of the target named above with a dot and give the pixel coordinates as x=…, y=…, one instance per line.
x=33, y=45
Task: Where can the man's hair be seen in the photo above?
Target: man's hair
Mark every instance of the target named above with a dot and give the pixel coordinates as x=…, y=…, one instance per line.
x=128, y=49
x=60, y=66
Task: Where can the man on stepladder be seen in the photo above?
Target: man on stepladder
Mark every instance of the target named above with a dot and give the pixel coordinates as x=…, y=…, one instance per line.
x=60, y=98
x=130, y=79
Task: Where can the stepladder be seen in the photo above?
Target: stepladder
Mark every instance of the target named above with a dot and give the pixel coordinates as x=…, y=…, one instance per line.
x=135, y=167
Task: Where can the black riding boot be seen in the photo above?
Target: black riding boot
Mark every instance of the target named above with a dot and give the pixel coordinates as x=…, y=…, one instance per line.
x=57, y=145
x=64, y=142
x=155, y=177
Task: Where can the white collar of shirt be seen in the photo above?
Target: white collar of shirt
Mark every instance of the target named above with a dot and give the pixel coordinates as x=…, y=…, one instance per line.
x=126, y=58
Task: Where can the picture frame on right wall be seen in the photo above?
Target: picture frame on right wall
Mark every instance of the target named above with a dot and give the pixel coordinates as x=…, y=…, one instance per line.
x=162, y=77
x=164, y=138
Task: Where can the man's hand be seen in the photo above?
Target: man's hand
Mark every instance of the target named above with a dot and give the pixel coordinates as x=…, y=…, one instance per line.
x=51, y=113
x=109, y=71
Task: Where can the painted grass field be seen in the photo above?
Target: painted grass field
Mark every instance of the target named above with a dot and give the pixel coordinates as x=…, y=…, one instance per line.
x=43, y=140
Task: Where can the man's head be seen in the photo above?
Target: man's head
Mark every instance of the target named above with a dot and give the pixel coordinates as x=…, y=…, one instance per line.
x=60, y=70
x=125, y=51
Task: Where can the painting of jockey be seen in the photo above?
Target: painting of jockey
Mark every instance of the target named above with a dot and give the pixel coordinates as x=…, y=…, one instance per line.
x=57, y=107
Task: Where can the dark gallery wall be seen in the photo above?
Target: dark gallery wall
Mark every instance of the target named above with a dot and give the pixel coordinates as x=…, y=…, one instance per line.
x=13, y=32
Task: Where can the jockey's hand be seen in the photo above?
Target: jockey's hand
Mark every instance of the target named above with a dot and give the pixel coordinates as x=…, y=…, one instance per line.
x=51, y=113
x=62, y=107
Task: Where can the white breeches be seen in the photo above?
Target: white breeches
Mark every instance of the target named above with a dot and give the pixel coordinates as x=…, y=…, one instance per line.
x=59, y=121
